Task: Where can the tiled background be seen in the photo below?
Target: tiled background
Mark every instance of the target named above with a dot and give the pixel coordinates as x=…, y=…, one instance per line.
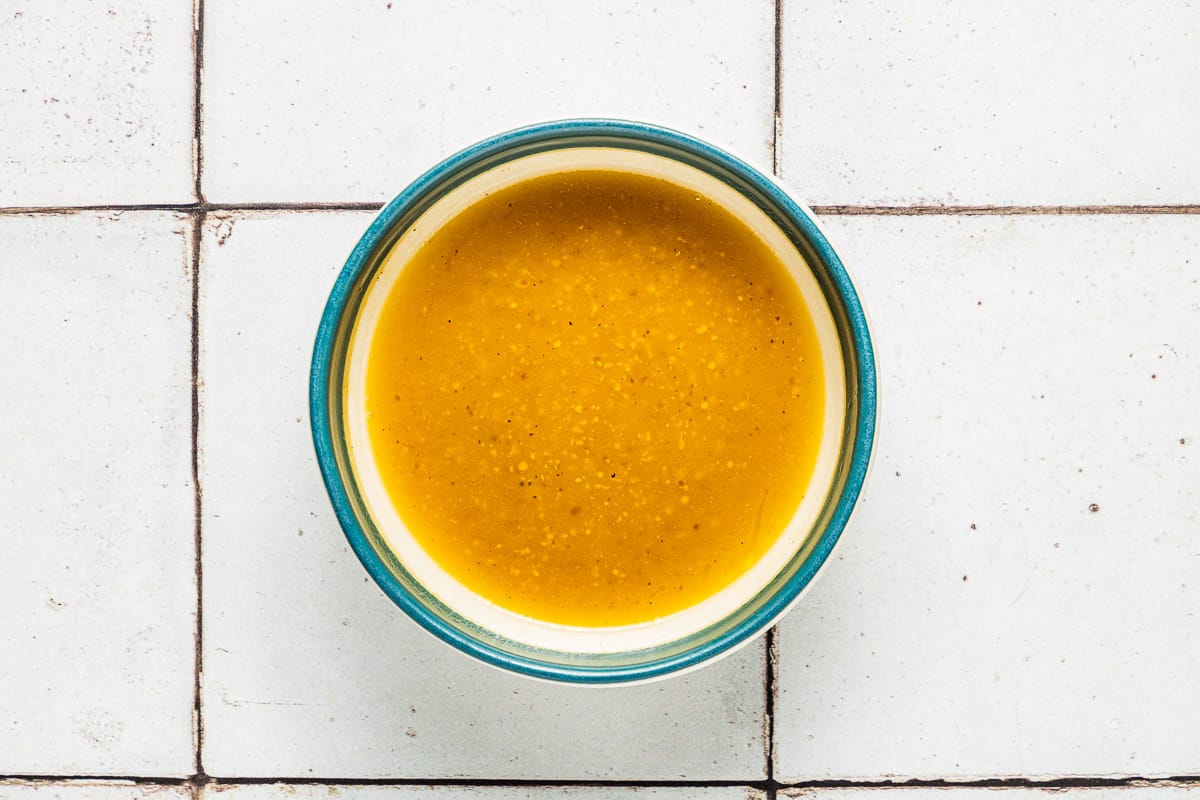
x=1016, y=188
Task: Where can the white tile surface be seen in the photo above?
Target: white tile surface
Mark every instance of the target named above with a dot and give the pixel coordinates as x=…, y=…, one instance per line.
x=97, y=102
x=310, y=100
x=976, y=103
x=979, y=620
x=89, y=790
x=309, y=669
x=319, y=792
x=97, y=595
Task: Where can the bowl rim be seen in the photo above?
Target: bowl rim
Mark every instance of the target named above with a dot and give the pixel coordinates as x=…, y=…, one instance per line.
x=863, y=407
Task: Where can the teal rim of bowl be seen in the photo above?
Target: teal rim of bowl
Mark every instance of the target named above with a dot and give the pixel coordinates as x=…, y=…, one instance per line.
x=326, y=383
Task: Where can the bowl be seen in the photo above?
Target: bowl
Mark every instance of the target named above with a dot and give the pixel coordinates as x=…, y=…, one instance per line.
x=581, y=654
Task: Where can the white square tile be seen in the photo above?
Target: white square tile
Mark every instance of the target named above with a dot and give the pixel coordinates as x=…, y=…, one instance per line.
x=376, y=792
x=97, y=101
x=308, y=668
x=98, y=594
x=991, y=103
x=308, y=101
x=89, y=790
x=1017, y=593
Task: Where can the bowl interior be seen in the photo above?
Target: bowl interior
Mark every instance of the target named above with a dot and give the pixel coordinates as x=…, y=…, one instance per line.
x=435, y=598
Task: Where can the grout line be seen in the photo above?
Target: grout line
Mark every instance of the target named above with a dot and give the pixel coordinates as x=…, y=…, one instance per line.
x=198, y=100
x=198, y=490
x=365, y=205
x=140, y=780
x=116, y=209
x=199, y=213
x=198, y=219
x=820, y=210
x=197, y=781
x=777, y=111
x=770, y=786
x=1051, y=784
x=769, y=701
x=484, y=782
x=191, y=208
x=939, y=210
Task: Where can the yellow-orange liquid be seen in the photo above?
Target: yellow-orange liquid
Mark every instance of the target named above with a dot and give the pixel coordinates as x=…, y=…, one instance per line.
x=595, y=398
